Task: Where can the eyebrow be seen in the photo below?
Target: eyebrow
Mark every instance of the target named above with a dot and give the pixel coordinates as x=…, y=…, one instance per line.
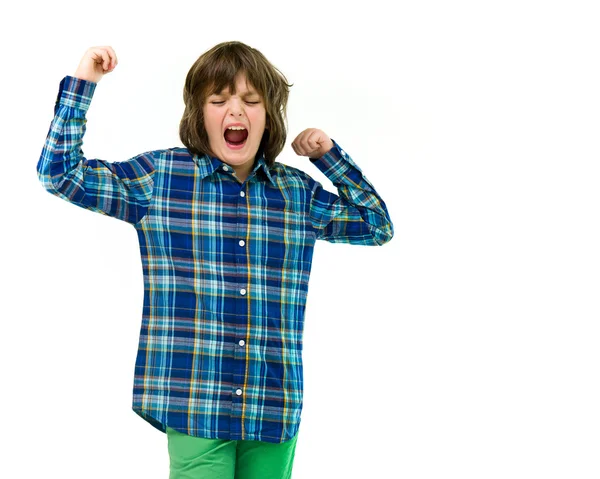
x=246, y=93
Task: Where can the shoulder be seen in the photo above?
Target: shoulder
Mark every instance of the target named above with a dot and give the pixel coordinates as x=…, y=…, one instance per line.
x=149, y=161
x=181, y=152
x=174, y=154
x=292, y=175
x=296, y=176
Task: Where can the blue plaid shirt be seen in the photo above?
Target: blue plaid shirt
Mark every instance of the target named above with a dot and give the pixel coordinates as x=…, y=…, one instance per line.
x=226, y=267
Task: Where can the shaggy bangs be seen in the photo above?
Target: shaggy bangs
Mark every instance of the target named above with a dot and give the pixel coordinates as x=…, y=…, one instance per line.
x=218, y=68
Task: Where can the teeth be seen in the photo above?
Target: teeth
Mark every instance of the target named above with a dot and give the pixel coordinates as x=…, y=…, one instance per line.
x=236, y=128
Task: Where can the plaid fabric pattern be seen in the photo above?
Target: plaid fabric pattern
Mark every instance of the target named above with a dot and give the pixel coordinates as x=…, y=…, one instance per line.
x=226, y=269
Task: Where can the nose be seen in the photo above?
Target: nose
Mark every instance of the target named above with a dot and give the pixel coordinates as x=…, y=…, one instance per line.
x=236, y=108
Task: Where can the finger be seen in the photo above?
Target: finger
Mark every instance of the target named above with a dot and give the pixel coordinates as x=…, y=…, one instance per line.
x=308, y=146
x=300, y=149
x=113, y=56
x=99, y=56
x=296, y=145
x=105, y=58
x=108, y=57
x=300, y=143
x=301, y=138
x=313, y=140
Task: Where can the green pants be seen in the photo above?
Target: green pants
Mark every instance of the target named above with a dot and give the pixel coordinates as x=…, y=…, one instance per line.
x=199, y=458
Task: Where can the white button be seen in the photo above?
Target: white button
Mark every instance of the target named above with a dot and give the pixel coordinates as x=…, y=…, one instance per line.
x=242, y=342
x=239, y=392
x=242, y=243
x=343, y=152
x=243, y=291
x=225, y=168
x=242, y=193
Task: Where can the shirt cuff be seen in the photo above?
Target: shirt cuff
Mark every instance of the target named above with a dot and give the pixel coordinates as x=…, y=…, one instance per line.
x=75, y=92
x=333, y=164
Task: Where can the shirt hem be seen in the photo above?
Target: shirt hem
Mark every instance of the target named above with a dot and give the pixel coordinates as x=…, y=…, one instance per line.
x=162, y=427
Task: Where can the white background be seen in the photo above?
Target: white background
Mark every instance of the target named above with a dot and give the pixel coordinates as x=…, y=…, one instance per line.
x=466, y=347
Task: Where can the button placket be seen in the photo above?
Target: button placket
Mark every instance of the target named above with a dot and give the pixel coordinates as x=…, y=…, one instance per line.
x=241, y=342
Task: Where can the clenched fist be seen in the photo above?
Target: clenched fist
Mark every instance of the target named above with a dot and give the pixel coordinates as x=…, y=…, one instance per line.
x=313, y=143
x=96, y=62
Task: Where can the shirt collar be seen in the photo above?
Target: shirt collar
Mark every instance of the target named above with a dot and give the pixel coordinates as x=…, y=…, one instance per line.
x=209, y=164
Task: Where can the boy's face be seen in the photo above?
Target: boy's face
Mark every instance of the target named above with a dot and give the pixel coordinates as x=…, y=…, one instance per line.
x=245, y=107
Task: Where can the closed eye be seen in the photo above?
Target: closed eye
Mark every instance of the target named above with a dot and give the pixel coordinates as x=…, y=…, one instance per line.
x=220, y=102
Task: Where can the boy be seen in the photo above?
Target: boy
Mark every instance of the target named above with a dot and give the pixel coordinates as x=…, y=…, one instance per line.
x=226, y=236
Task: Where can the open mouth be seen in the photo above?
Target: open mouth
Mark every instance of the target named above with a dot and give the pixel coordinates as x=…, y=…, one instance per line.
x=235, y=138
x=235, y=146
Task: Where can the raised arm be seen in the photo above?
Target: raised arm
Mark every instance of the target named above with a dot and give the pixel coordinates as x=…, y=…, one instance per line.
x=358, y=215
x=119, y=189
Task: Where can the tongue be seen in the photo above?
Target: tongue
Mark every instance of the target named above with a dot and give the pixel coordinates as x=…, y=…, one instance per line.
x=236, y=136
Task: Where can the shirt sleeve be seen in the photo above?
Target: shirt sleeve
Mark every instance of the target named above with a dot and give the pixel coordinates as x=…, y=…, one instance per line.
x=358, y=215
x=122, y=190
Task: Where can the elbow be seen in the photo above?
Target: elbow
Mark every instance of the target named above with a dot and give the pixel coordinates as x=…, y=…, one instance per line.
x=45, y=179
x=384, y=235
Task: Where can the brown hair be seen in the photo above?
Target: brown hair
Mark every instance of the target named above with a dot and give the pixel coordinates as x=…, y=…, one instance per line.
x=219, y=67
